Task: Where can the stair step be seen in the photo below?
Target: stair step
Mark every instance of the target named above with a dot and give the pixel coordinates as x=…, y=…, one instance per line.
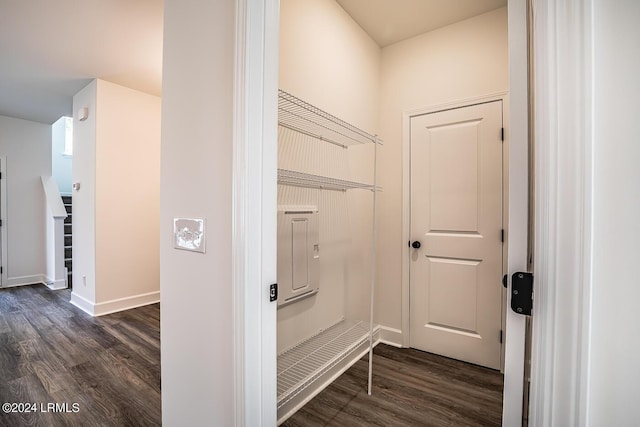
x=68, y=238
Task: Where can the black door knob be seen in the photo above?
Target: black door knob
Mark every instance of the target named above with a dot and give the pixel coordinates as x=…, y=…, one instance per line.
x=415, y=245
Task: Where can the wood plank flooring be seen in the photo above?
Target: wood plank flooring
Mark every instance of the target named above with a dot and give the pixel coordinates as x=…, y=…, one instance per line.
x=410, y=388
x=50, y=351
x=53, y=352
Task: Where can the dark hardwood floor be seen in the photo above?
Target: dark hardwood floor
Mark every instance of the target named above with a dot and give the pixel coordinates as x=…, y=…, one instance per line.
x=410, y=388
x=109, y=366
x=53, y=352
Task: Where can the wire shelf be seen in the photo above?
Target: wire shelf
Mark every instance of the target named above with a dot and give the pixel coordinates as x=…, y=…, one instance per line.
x=304, y=363
x=301, y=179
x=295, y=114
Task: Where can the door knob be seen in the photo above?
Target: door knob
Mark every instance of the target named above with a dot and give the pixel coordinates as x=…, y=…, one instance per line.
x=415, y=245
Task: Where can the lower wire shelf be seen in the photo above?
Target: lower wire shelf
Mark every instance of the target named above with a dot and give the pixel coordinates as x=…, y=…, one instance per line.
x=307, y=368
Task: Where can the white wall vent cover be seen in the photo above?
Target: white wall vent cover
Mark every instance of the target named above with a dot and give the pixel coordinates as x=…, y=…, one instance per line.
x=298, y=253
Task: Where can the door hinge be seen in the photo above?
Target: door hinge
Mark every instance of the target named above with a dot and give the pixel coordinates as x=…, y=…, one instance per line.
x=502, y=134
x=522, y=293
x=0, y=223
x=501, y=336
x=502, y=235
x=273, y=292
x=1, y=270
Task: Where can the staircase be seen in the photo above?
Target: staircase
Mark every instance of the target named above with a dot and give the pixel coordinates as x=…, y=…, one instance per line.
x=67, y=239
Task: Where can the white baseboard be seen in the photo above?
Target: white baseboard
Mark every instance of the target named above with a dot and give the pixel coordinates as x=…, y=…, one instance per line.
x=82, y=303
x=391, y=336
x=55, y=285
x=10, y=282
x=115, y=305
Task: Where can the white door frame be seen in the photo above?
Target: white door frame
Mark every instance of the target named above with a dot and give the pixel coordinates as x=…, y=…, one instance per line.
x=518, y=222
x=406, y=193
x=564, y=140
x=4, y=237
x=254, y=205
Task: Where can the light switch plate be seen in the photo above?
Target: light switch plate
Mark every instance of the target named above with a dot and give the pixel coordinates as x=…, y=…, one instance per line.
x=189, y=234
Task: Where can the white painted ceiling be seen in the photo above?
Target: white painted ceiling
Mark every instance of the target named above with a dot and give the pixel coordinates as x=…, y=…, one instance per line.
x=390, y=21
x=49, y=50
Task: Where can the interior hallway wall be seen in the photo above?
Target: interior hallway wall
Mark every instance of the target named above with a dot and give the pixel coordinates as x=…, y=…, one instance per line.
x=84, y=201
x=26, y=145
x=464, y=60
x=127, y=195
x=614, y=373
x=116, y=209
x=197, y=322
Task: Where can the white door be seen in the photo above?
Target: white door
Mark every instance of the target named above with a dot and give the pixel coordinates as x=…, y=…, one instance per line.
x=456, y=220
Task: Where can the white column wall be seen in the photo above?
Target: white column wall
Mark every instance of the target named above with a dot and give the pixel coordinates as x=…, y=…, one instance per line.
x=614, y=372
x=127, y=197
x=84, y=200
x=116, y=210
x=197, y=322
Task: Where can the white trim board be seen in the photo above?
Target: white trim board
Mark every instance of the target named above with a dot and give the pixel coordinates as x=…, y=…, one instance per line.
x=564, y=129
x=391, y=336
x=115, y=305
x=56, y=285
x=255, y=211
x=4, y=277
x=36, y=279
x=518, y=207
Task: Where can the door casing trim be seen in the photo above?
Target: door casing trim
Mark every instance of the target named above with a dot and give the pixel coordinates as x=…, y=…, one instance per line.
x=407, y=115
x=4, y=240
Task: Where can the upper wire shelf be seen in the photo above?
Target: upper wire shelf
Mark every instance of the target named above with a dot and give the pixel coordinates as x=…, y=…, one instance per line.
x=300, y=179
x=295, y=114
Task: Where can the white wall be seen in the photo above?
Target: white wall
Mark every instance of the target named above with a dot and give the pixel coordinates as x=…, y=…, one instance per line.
x=463, y=60
x=326, y=59
x=26, y=146
x=127, y=193
x=329, y=61
x=116, y=210
x=84, y=200
x=197, y=333
x=60, y=163
x=615, y=329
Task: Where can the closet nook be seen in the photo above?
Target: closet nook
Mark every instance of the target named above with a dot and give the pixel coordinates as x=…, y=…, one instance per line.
x=326, y=249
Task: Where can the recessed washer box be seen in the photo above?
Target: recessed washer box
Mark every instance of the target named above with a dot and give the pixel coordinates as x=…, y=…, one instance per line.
x=298, y=253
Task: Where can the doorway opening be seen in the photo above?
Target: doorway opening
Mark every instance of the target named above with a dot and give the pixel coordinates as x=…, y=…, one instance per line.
x=376, y=85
